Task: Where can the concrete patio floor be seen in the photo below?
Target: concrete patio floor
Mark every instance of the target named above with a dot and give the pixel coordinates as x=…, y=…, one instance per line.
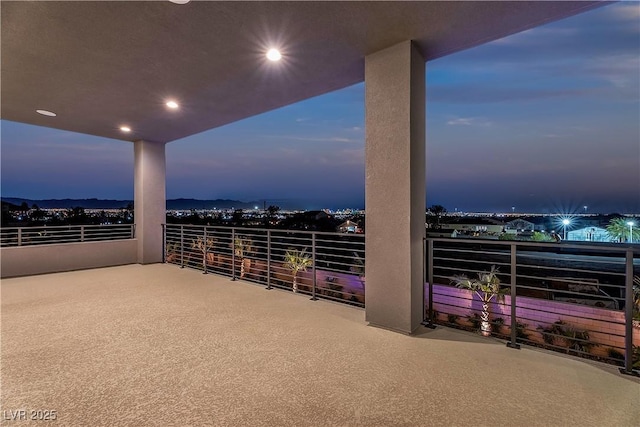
x=163, y=346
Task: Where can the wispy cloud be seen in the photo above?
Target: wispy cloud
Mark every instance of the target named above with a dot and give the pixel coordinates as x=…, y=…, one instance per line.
x=95, y=147
x=460, y=121
x=626, y=11
x=318, y=139
x=468, y=121
x=496, y=92
x=619, y=70
x=533, y=35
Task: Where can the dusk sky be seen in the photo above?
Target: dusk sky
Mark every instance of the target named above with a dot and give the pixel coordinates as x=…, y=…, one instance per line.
x=546, y=120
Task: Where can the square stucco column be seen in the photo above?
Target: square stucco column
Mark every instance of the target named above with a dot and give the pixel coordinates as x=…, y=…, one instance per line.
x=395, y=186
x=150, y=203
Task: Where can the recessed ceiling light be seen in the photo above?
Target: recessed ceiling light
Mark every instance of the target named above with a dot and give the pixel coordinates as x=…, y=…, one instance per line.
x=172, y=104
x=274, y=55
x=46, y=113
x=180, y=1
x=126, y=129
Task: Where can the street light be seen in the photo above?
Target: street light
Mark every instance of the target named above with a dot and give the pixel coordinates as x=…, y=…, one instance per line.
x=630, y=224
x=565, y=222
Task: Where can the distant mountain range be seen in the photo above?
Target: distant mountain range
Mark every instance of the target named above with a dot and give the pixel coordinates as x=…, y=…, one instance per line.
x=174, y=204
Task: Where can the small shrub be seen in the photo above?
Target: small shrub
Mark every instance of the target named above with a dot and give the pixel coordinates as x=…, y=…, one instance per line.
x=335, y=290
x=541, y=237
x=497, y=324
x=521, y=331
x=475, y=320
x=615, y=354
x=563, y=335
x=452, y=318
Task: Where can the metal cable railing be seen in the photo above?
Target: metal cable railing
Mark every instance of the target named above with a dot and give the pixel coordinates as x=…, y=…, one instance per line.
x=573, y=298
x=48, y=235
x=320, y=264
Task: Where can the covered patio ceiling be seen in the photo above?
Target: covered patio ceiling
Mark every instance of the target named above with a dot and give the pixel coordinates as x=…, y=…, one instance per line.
x=103, y=65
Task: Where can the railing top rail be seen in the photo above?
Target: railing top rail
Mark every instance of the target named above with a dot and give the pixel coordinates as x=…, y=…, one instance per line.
x=66, y=227
x=273, y=230
x=47, y=235
x=607, y=247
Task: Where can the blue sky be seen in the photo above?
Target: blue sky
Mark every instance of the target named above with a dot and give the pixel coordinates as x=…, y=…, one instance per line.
x=546, y=120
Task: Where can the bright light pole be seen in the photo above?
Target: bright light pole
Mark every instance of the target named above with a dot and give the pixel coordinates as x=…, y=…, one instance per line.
x=630, y=224
x=565, y=222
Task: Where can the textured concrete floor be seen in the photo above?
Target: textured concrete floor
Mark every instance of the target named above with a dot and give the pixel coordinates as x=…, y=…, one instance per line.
x=157, y=345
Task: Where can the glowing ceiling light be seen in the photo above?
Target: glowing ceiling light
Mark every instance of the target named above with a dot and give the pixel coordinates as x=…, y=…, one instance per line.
x=273, y=55
x=46, y=113
x=180, y=1
x=172, y=104
x=126, y=129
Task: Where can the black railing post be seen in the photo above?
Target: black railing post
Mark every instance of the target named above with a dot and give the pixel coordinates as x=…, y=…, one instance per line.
x=233, y=254
x=628, y=316
x=164, y=243
x=181, y=245
x=269, y=260
x=514, y=321
x=313, y=266
x=19, y=236
x=82, y=233
x=425, y=309
x=427, y=246
x=205, y=251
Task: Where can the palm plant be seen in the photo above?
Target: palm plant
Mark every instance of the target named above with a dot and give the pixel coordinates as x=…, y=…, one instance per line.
x=486, y=287
x=438, y=211
x=242, y=247
x=296, y=261
x=619, y=229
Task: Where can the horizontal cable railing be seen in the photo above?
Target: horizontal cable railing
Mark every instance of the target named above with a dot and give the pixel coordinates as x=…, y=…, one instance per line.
x=320, y=264
x=574, y=298
x=48, y=235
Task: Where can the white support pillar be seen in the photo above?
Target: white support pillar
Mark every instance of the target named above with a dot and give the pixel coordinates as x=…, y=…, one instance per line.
x=395, y=190
x=149, y=199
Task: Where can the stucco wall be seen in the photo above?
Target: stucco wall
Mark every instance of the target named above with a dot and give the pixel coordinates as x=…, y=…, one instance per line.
x=39, y=259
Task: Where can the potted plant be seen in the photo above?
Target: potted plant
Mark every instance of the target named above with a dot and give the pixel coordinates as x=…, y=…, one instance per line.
x=296, y=261
x=242, y=246
x=487, y=287
x=206, y=248
x=171, y=252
